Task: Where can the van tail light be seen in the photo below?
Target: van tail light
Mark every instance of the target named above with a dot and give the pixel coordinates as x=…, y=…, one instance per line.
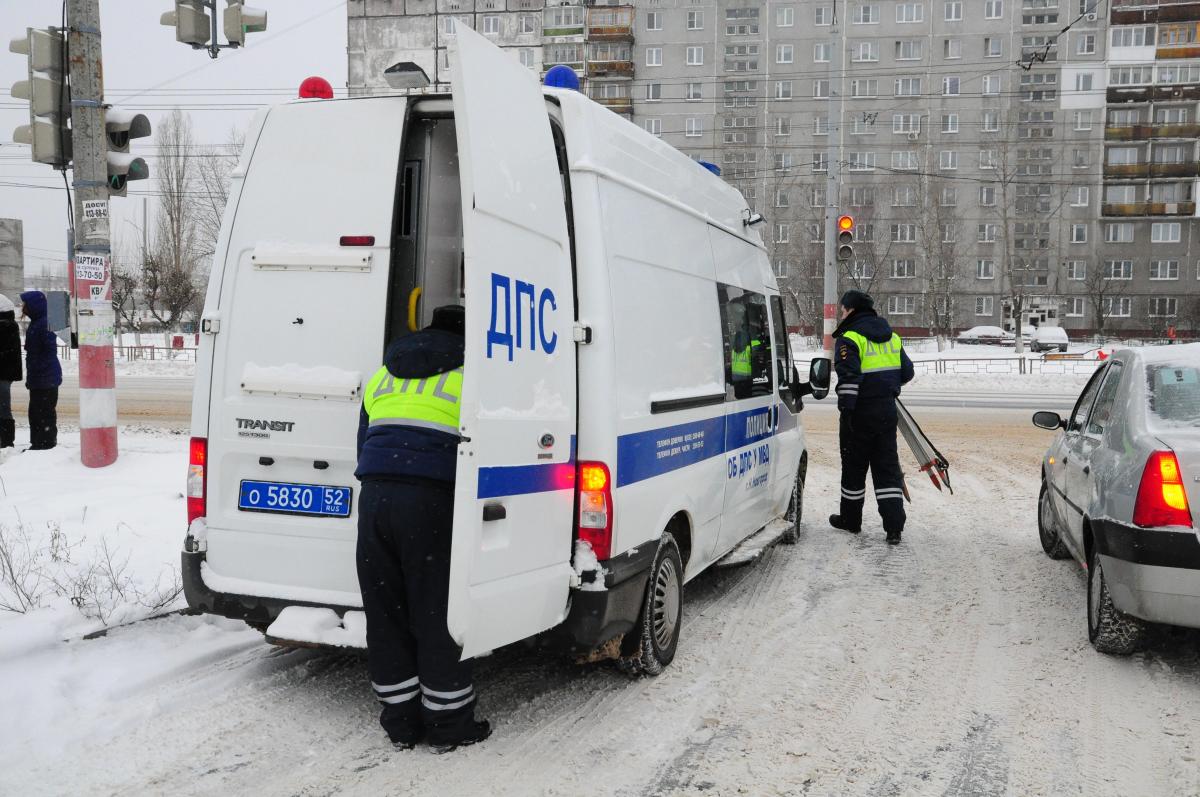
x=197, y=479
x=1161, y=500
x=357, y=240
x=593, y=487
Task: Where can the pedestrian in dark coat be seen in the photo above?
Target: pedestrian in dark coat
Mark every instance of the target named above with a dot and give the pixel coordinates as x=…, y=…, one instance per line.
x=871, y=365
x=10, y=369
x=43, y=374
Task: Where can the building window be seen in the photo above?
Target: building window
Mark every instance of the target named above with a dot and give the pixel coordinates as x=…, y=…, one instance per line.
x=987, y=233
x=861, y=196
x=820, y=125
x=1074, y=308
x=1118, y=269
x=949, y=123
x=491, y=26
x=783, y=126
x=1118, y=306
x=866, y=14
x=1118, y=233
x=816, y=233
x=909, y=50
x=862, y=269
x=695, y=20
x=864, y=88
x=906, y=123
x=985, y=269
x=653, y=92
x=953, y=11
x=904, y=233
x=783, y=54
x=948, y=159
x=993, y=9
x=950, y=86
x=904, y=196
x=861, y=161
x=1132, y=36
x=783, y=161
x=654, y=126
x=820, y=89
x=527, y=23
x=527, y=58
x=653, y=20
x=990, y=85
x=910, y=12
x=863, y=52
x=952, y=48
x=1163, y=306
x=987, y=196
x=1080, y=195
x=816, y=197
x=983, y=305
x=695, y=56
x=990, y=122
x=1085, y=44
x=1078, y=233
x=1164, y=269
x=1165, y=232
x=781, y=268
x=1077, y=270
x=987, y=159
x=785, y=17
x=908, y=86
x=822, y=52
x=783, y=89
x=823, y=15
x=694, y=91
x=783, y=233
x=904, y=268
x=693, y=126
x=949, y=233
x=993, y=47
x=901, y=305
x=653, y=56
x=949, y=197
x=781, y=198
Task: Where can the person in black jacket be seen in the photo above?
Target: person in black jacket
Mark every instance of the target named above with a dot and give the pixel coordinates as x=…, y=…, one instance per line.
x=871, y=365
x=10, y=369
x=43, y=374
x=407, y=457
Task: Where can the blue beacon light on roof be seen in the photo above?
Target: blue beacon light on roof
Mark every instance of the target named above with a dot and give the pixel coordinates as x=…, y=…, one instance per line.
x=562, y=77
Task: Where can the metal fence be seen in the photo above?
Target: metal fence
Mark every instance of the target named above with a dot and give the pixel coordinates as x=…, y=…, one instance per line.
x=1006, y=365
x=140, y=353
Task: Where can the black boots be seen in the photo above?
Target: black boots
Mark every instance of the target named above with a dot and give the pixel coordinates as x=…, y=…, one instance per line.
x=480, y=730
x=893, y=538
x=8, y=433
x=839, y=523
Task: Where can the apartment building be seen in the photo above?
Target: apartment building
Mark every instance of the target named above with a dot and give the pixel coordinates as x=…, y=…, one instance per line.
x=994, y=164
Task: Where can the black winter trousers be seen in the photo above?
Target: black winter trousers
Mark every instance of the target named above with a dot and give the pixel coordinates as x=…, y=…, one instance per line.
x=404, y=532
x=43, y=417
x=868, y=441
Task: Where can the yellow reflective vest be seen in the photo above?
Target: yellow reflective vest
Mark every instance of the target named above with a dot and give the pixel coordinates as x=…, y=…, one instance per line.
x=875, y=357
x=429, y=403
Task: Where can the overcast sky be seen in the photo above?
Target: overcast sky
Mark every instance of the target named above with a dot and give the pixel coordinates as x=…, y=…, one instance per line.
x=148, y=71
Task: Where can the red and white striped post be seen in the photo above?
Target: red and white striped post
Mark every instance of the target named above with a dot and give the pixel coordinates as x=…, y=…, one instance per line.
x=92, y=273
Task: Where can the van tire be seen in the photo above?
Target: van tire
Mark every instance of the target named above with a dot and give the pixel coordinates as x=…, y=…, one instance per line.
x=662, y=611
x=1048, y=533
x=795, y=510
x=1110, y=630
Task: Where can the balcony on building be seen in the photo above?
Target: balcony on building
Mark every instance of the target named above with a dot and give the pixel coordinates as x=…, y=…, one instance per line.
x=610, y=23
x=563, y=21
x=1148, y=209
x=566, y=53
x=1143, y=12
x=614, y=96
x=1184, y=92
x=1142, y=132
x=610, y=60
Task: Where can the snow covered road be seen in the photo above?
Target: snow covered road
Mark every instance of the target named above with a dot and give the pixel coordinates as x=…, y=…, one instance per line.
x=956, y=664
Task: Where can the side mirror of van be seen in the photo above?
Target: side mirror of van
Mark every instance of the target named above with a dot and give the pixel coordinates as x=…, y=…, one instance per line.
x=1048, y=420
x=818, y=376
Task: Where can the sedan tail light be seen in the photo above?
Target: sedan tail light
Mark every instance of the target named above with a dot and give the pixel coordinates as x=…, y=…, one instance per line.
x=1161, y=499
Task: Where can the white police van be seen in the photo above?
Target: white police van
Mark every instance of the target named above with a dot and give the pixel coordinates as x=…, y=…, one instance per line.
x=616, y=438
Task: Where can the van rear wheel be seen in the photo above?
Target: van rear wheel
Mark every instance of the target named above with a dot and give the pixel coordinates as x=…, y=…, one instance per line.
x=662, y=611
x=795, y=510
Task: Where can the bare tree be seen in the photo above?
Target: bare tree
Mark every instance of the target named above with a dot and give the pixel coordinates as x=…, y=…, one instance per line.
x=169, y=279
x=938, y=231
x=1103, y=285
x=127, y=269
x=214, y=165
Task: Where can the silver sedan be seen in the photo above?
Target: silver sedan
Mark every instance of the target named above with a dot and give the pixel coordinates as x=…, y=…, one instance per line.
x=1118, y=484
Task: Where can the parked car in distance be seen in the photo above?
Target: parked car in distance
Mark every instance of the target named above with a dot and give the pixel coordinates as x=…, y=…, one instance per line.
x=986, y=334
x=1048, y=338
x=1118, y=484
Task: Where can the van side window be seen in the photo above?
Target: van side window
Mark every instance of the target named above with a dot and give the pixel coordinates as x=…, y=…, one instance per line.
x=783, y=351
x=745, y=331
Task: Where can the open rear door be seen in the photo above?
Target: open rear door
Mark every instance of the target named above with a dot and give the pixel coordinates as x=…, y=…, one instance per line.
x=514, y=499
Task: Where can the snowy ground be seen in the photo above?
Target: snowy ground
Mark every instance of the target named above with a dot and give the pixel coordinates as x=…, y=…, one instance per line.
x=955, y=664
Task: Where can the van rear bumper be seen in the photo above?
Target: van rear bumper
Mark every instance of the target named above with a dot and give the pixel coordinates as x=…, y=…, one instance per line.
x=597, y=616
x=255, y=610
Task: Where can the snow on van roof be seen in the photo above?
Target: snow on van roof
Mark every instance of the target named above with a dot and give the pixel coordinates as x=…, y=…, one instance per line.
x=604, y=141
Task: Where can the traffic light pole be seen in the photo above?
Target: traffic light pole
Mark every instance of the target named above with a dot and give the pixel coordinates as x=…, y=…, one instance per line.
x=833, y=192
x=91, y=277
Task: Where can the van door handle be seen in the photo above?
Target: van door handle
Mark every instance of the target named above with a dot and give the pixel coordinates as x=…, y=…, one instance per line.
x=1065, y=459
x=494, y=512
x=1087, y=469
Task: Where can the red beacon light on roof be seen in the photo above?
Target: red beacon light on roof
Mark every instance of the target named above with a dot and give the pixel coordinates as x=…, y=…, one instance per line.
x=315, y=88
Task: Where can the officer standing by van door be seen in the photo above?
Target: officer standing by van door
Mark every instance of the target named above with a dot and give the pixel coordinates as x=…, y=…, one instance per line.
x=871, y=365
x=407, y=454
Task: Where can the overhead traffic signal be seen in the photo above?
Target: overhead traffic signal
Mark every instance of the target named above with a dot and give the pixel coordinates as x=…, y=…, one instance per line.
x=845, y=237
x=191, y=22
x=120, y=127
x=240, y=19
x=49, y=98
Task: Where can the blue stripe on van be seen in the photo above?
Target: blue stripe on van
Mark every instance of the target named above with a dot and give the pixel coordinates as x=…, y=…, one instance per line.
x=644, y=455
x=502, y=480
x=640, y=455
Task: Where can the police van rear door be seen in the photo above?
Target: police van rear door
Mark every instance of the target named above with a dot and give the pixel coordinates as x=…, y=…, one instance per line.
x=514, y=498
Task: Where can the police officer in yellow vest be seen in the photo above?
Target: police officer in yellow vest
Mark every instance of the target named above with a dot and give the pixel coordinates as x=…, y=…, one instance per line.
x=407, y=454
x=871, y=366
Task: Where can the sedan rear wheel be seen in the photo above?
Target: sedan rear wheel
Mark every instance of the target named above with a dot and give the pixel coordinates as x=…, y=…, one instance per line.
x=1052, y=542
x=1109, y=629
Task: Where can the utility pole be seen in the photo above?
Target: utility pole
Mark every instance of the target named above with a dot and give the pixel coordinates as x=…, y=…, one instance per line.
x=92, y=278
x=832, y=193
